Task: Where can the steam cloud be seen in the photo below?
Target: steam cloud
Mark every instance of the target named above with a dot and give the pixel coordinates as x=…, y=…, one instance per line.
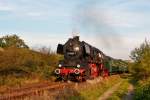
x=95, y=21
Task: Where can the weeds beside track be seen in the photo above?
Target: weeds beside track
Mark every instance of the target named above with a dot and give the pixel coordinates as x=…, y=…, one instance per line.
x=34, y=89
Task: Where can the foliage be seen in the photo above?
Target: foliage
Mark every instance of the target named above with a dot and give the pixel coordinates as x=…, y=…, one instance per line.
x=20, y=65
x=142, y=91
x=27, y=59
x=21, y=62
x=141, y=69
x=12, y=41
x=94, y=90
x=121, y=91
x=119, y=65
x=141, y=56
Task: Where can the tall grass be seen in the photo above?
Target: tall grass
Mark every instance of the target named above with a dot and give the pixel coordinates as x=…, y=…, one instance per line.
x=85, y=91
x=95, y=90
x=121, y=91
x=19, y=64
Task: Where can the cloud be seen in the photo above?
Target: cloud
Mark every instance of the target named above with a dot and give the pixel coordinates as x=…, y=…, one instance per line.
x=116, y=16
x=33, y=8
x=6, y=7
x=127, y=20
x=35, y=14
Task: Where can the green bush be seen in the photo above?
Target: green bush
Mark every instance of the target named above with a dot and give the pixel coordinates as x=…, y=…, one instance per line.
x=142, y=91
x=140, y=70
x=12, y=41
x=141, y=65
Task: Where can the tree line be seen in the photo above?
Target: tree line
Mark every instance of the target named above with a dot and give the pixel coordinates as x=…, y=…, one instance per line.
x=140, y=69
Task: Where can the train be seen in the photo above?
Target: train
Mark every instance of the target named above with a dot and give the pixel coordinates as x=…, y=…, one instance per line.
x=83, y=61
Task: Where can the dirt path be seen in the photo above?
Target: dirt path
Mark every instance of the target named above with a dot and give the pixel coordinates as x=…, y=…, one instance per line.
x=109, y=92
x=130, y=94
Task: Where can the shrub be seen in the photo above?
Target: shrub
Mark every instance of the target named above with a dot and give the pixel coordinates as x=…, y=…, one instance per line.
x=26, y=63
x=142, y=91
x=12, y=41
x=19, y=62
x=141, y=56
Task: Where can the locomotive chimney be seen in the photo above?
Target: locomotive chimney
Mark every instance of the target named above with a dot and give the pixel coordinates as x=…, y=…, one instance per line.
x=76, y=38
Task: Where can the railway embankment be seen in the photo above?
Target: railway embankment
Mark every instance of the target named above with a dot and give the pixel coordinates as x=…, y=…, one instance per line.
x=1, y=49
x=89, y=90
x=112, y=88
x=34, y=90
x=92, y=89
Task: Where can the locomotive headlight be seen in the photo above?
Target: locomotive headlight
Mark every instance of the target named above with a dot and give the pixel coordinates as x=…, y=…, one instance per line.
x=76, y=48
x=78, y=66
x=59, y=65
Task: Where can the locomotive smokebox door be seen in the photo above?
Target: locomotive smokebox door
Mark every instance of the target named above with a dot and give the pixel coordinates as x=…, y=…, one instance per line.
x=60, y=49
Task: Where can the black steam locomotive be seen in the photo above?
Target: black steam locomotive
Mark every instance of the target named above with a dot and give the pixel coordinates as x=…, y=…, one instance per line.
x=83, y=61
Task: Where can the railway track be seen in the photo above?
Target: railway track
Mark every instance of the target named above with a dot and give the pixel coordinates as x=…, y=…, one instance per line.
x=39, y=89
x=32, y=90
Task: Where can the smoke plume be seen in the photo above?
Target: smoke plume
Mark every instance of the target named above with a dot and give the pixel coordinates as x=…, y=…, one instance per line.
x=96, y=22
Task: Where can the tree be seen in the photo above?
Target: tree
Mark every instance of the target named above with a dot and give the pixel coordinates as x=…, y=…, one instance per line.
x=12, y=41
x=141, y=56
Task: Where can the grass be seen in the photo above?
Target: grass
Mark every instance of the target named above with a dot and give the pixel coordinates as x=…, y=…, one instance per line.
x=19, y=65
x=95, y=90
x=121, y=91
x=85, y=91
x=142, y=90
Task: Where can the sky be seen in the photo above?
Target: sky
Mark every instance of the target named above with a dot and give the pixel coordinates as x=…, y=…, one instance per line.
x=114, y=26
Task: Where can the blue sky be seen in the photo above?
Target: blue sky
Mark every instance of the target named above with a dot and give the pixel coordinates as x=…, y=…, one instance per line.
x=114, y=26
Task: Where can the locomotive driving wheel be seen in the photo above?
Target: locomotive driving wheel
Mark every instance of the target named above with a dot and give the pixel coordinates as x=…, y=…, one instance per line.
x=94, y=71
x=105, y=73
x=87, y=74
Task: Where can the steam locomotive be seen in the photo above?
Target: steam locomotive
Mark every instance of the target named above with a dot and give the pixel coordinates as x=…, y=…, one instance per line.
x=83, y=61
